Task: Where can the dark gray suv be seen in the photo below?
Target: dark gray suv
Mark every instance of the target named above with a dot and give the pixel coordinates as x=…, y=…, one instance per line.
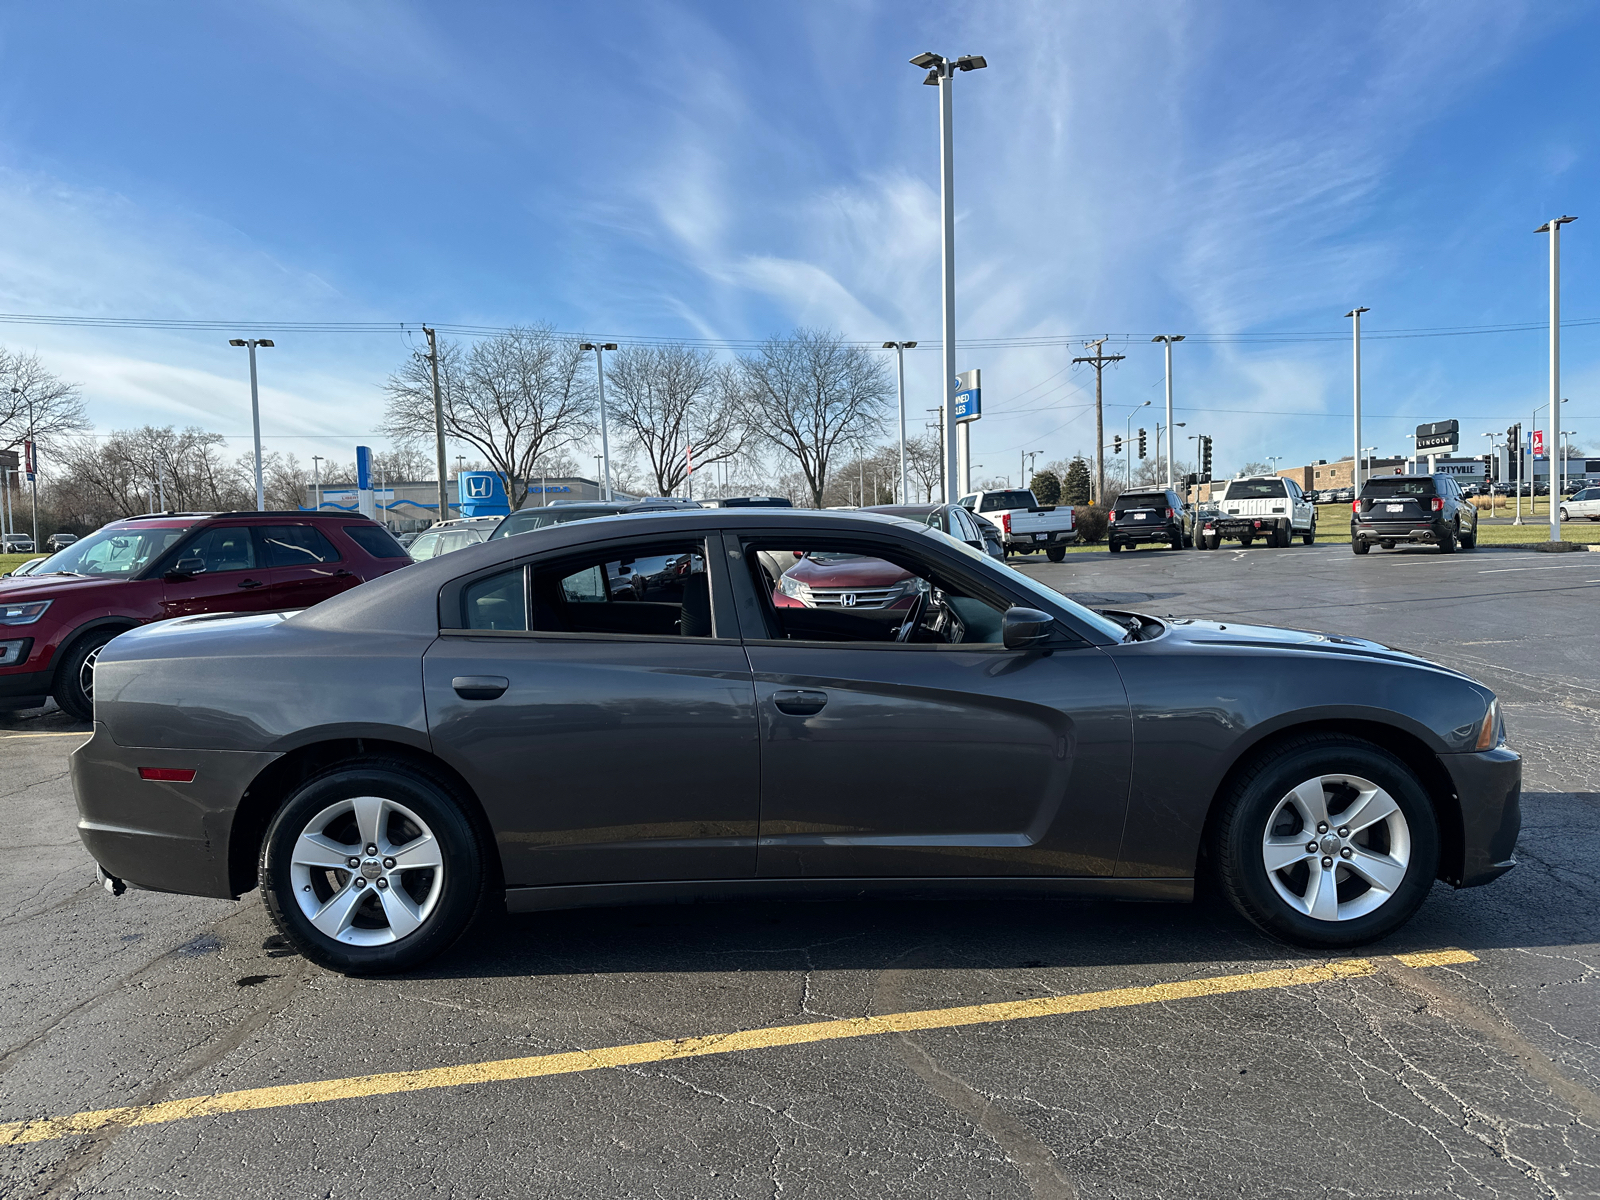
x=1426, y=509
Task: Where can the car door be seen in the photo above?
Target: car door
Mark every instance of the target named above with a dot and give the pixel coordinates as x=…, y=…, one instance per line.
x=610, y=739
x=217, y=569
x=887, y=758
x=306, y=567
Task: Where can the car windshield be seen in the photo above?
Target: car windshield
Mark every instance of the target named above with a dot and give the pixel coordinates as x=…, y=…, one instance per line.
x=1114, y=630
x=1398, y=487
x=526, y=520
x=995, y=501
x=1256, y=489
x=121, y=552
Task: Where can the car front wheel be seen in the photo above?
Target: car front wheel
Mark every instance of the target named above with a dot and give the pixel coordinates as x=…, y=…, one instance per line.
x=74, y=681
x=372, y=867
x=1328, y=841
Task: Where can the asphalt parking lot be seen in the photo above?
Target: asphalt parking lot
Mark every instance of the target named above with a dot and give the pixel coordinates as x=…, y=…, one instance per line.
x=1051, y=1048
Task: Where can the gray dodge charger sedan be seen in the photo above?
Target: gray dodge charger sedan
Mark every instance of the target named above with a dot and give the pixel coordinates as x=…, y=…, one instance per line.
x=783, y=704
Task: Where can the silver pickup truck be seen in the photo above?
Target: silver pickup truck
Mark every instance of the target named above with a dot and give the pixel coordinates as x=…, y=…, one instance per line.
x=1268, y=507
x=1025, y=524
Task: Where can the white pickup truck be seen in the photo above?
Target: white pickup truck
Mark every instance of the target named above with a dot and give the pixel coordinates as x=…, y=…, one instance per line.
x=1025, y=524
x=1268, y=507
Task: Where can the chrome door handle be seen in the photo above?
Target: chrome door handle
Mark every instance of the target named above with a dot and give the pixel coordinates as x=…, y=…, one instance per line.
x=250, y=583
x=799, y=703
x=480, y=687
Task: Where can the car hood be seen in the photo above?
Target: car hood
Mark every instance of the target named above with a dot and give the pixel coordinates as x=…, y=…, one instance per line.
x=855, y=572
x=1228, y=633
x=50, y=587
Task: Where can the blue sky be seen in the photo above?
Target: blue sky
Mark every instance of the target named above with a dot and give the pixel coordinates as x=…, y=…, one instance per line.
x=729, y=171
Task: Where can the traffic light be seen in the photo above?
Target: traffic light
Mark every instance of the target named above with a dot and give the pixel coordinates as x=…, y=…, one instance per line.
x=1141, y=443
x=1116, y=445
x=1205, y=458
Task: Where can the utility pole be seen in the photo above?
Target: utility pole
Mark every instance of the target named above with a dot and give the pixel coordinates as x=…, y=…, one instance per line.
x=1355, y=465
x=1168, y=339
x=1553, y=228
x=1027, y=462
x=900, y=349
x=605, y=444
x=1099, y=361
x=438, y=426
x=939, y=412
x=316, y=481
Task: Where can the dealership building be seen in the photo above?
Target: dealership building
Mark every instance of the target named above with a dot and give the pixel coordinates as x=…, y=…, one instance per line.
x=415, y=504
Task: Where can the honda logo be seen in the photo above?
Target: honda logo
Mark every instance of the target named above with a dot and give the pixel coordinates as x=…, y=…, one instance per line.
x=480, y=487
x=848, y=599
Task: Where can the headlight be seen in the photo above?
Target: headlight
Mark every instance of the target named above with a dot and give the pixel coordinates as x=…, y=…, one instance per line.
x=23, y=614
x=794, y=587
x=909, y=587
x=1492, y=732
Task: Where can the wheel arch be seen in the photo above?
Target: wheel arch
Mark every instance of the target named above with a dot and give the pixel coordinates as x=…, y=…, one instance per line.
x=278, y=780
x=1403, y=744
x=117, y=622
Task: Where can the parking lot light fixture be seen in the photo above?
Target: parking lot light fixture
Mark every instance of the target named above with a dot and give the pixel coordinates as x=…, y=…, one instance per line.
x=1127, y=445
x=255, y=413
x=1355, y=467
x=1168, y=339
x=1553, y=228
x=900, y=349
x=605, y=444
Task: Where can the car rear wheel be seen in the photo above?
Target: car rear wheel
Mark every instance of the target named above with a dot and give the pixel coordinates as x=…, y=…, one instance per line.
x=1246, y=539
x=1114, y=547
x=1176, y=541
x=1360, y=545
x=372, y=867
x=74, y=682
x=1564, y=516
x=1057, y=553
x=1447, y=541
x=1327, y=841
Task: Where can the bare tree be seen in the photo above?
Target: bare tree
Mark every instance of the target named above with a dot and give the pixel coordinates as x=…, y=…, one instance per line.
x=136, y=470
x=35, y=403
x=514, y=398
x=675, y=404
x=810, y=393
x=924, y=466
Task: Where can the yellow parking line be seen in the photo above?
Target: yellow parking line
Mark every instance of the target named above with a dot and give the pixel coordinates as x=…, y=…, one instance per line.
x=572, y=1062
x=11, y=737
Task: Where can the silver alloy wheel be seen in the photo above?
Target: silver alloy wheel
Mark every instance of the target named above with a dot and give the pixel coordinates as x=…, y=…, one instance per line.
x=376, y=889
x=1336, y=847
x=86, y=674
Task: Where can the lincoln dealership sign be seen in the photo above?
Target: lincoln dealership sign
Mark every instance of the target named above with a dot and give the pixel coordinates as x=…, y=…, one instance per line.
x=1442, y=437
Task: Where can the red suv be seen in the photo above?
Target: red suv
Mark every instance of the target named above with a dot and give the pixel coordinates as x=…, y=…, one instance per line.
x=54, y=621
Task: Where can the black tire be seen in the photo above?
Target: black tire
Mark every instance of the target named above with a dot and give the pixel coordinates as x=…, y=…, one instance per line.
x=1310, y=537
x=1564, y=516
x=1469, y=541
x=448, y=908
x=1447, y=542
x=1176, y=541
x=1246, y=539
x=1360, y=545
x=1255, y=798
x=1057, y=553
x=73, y=687
x=1114, y=547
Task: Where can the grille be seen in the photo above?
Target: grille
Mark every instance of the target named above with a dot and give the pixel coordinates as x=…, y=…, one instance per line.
x=864, y=597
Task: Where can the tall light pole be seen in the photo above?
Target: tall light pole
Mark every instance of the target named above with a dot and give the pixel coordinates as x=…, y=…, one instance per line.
x=316, y=480
x=438, y=426
x=255, y=413
x=1127, y=446
x=900, y=349
x=1488, y=473
x=31, y=463
x=941, y=74
x=1553, y=228
x=605, y=443
x=1027, y=463
x=1359, y=452
x=1355, y=467
x=1168, y=339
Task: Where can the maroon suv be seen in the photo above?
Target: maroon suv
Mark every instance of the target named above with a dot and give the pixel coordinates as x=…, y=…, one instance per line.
x=54, y=621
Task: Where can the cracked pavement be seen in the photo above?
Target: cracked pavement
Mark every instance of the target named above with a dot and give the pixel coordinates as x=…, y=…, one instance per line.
x=1480, y=1079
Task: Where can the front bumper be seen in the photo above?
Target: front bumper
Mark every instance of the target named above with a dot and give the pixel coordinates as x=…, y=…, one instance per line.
x=1488, y=785
x=24, y=689
x=167, y=837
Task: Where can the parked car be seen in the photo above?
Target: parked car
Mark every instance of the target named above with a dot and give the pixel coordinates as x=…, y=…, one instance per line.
x=59, y=541
x=55, y=622
x=1268, y=507
x=1344, y=495
x=442, y=537
x=1026, y=525
x=750, y=502
x=26, y=568
x=1150, y=515
x=1585, y=503
x=373, y=779
x=1413, y=508
x=975, y=531
x=405, y=539
x=526, y=520
x=16, y=543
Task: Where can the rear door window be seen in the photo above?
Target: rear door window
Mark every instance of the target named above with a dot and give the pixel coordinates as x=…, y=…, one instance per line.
x=375, y=540
x=296, y=546
x=652, y=590
x=498, y=602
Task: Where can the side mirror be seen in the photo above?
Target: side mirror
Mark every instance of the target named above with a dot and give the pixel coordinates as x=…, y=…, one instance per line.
x=1024, y=627
x=185, y=567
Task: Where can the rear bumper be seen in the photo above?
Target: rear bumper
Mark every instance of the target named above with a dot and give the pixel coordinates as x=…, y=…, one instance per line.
x=1488, y=785
x=167, y=837
x=24, y=689
x=1060, y=537
x=1413, y=531
x=1161, y=531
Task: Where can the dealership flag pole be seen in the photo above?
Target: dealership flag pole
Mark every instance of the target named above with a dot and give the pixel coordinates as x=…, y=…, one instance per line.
x=1553, y=228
